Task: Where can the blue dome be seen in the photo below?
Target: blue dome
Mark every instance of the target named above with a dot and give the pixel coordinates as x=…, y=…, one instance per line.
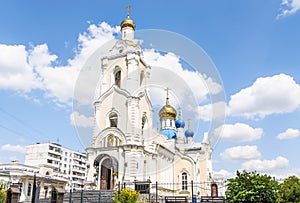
x=169, y=133
x=189, y=133
x=179, y=124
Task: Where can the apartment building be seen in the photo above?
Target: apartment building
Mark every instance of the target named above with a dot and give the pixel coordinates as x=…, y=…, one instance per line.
x=65, y=163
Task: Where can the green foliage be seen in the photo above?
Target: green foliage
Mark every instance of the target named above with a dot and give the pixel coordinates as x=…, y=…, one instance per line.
x=2, y=192
x=251, y=187
x=2, y=196
x=289, y=190
x=126, y=196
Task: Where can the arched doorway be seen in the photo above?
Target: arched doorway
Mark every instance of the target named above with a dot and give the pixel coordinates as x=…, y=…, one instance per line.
x=106, y=166
x=214, y=190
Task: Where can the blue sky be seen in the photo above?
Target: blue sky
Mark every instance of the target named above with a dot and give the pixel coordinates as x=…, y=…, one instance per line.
x=253, y=44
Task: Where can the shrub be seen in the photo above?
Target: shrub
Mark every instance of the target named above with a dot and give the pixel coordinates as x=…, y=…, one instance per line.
x=2, y=192
x=126, y=196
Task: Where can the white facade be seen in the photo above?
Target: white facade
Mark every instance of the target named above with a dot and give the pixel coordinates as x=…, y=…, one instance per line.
x=21, y=176
x=67, y=163
x=126, y=147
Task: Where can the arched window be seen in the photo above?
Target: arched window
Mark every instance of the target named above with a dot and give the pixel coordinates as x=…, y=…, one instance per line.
x=141, y=77
x=118, y=77
x=29, y=189
x=113, y=119
x=214, y=190
x=184, y=181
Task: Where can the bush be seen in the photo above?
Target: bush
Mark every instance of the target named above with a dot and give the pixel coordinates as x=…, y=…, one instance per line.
x=2, y=192
x=126, y=196
x=2, y=196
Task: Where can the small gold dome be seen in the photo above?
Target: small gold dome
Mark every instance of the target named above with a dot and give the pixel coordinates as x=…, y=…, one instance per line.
x=167, y=111
x=128, y=22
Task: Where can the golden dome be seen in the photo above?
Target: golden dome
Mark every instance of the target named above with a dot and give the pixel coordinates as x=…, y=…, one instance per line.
x=128, y=22
x=167, y=111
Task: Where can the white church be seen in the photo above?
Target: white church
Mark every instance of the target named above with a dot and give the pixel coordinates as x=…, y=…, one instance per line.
x=126, y=146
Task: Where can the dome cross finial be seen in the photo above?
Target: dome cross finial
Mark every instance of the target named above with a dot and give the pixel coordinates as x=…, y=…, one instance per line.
x=167, y=99
x=128, y=11
x=189, y=124
x=179, y=113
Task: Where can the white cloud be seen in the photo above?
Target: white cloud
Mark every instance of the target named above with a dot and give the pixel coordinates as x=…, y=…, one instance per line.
x=241, y=153
x=266, y=165
x=239, y=132
x=39, y=56
x=211, y=111
x=13, y=148
x=15, y=72
x=25, y=70
x=80, y=120
x=289, y=7
x=289, y=134
x=281, y=175
x=223, y=174
x=200, y=85
x=266, y=96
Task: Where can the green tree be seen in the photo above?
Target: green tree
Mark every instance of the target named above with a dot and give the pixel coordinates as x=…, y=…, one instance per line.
x=289, y=190
x=251, y=187
x=126, y=196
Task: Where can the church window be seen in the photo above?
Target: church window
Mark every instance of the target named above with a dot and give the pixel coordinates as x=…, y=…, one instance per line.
x=118, y=77
x=141, y=77
x=113, y=119
x=29, y=189
x=184, y=181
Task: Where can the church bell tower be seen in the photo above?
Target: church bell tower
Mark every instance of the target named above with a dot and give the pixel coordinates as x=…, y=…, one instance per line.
x=123, y=112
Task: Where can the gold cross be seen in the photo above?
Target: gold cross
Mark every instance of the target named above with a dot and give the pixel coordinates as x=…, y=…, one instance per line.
x=128, y=10
x=167, y=89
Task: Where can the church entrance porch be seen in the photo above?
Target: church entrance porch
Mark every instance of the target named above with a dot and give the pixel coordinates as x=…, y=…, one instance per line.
x=106, y=167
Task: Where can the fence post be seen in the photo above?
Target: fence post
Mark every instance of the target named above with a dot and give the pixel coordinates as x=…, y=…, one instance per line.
x=70, y=196
x=99, y=200
x=81, y=197
x=119, y=188
x=156, y=192
x=149, y=193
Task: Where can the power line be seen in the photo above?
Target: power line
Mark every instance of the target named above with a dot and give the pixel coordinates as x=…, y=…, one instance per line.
x=16, y=132
x=28, y=126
